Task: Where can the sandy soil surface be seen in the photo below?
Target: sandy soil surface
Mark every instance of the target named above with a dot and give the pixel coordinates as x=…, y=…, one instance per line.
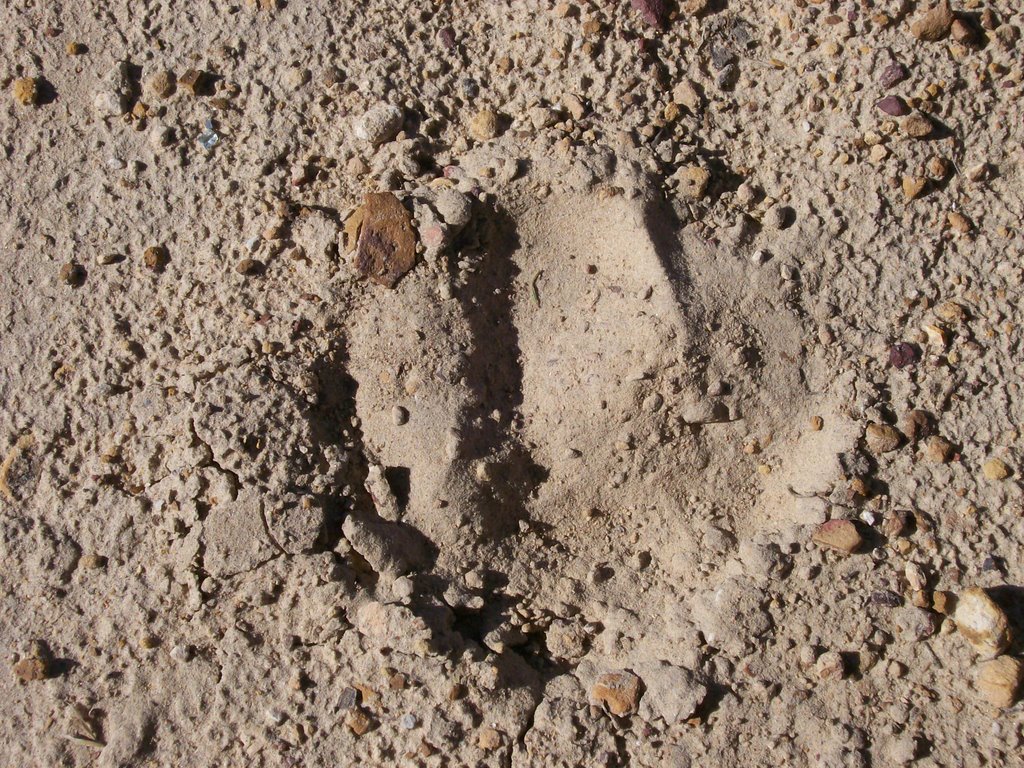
x=511, y=383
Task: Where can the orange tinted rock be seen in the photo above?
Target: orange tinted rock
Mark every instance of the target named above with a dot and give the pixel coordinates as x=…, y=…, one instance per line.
x=380, y=231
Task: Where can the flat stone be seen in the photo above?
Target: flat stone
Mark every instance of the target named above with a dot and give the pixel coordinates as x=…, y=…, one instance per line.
x=617, y=692
x=673, y=693
x=839, y=535
x=882, y=438
x=380, y=231
x=999, y=681
x=917, y=126
x=982, y=622
x=31, y=670
x=934, y=23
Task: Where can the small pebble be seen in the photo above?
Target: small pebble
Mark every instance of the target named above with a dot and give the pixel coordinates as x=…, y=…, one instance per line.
x=999, y=681
x=882, y=438
x=399, y=415
x=161, y=84
x=380, y=124
x=155, y=258
x=829, y=666
x=838, y=535
x=72, y=274
x=917, y=126
x=982, y=622
x=484, y=125
x=358, y=722
x=913, y=187
x=26, y=91
x=488, y=738
x=617, y=692
x=995, y=469
x=349, y=698
x=249, y=267
x=934, y=23
x=903, y=354
x=892, y=105
x=893, y=74
x=92, y=561
x=31, y=669
x=693, y=182
x=938, y=449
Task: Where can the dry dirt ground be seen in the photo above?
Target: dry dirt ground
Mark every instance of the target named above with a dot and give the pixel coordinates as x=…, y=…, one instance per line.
x=511, y=383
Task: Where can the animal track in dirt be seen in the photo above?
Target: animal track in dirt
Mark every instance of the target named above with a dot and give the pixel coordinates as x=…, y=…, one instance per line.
x=589, y=338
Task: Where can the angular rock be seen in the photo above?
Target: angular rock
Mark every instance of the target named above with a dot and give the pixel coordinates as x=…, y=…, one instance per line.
x=380, y=231
x=31, y=670
x=892, y=105
x=995, y=469
x=892, y=75
x=913, y=187
x=838, y=535
x=380, y=124
x=917, y=126
x=685, y=92
x=618, y=692
x=693, y=181
x=982, y=622
x=654, y=12
x=934, y=23
x=672, y=693
x=999, y=681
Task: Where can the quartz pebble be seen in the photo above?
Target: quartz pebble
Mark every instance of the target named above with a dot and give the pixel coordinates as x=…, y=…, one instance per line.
x=379, y=125
x=982, y=622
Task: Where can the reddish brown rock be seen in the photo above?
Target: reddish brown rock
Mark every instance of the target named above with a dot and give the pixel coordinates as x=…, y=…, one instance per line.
x=380, y=231
x=934, y=23
x=617, y=692
x=839, y=535
x=654, y=12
